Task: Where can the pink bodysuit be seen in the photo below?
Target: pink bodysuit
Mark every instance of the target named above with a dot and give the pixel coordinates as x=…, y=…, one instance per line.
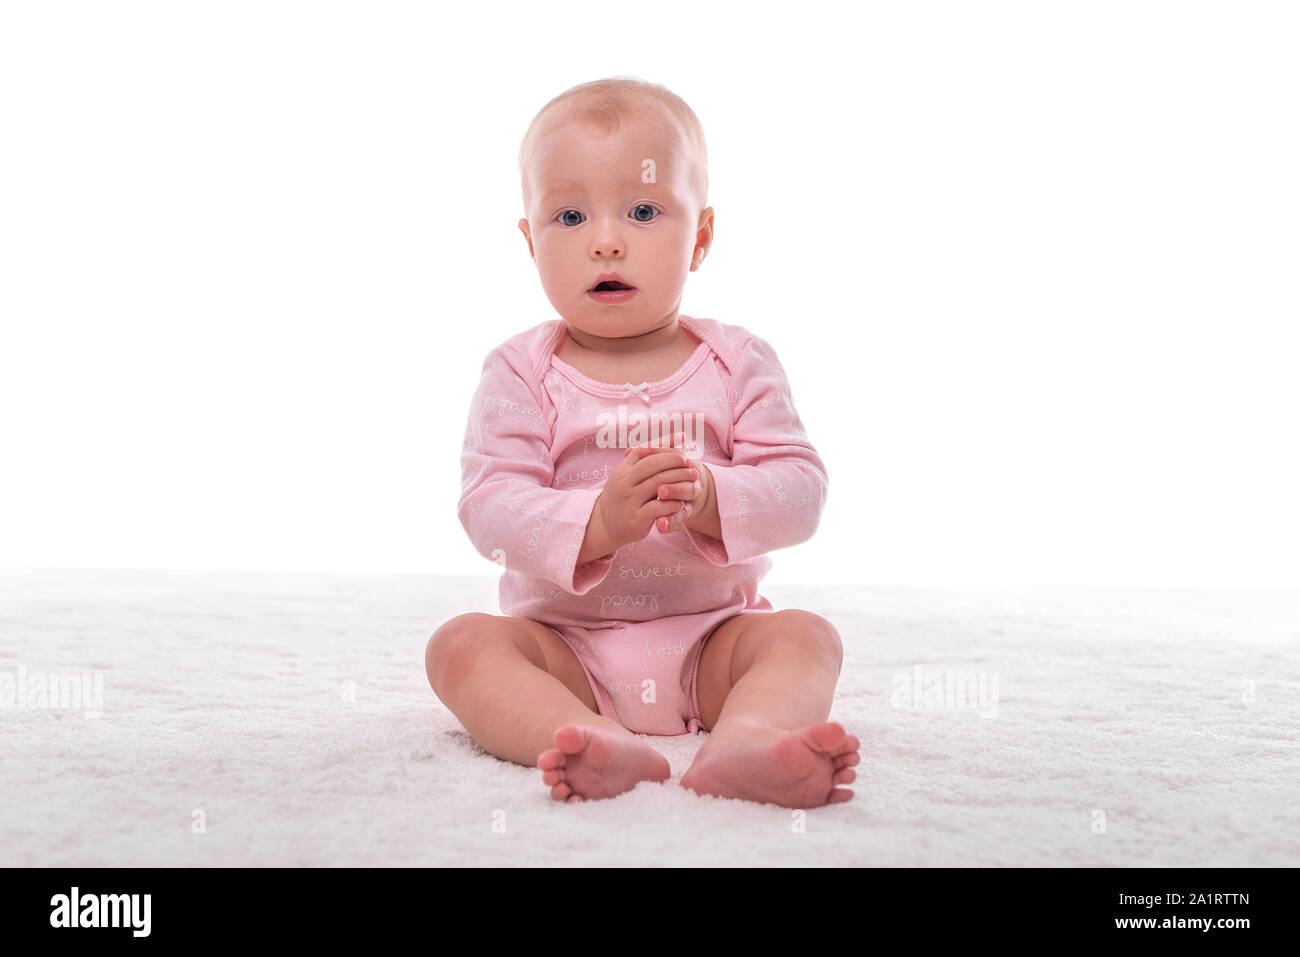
x=541, y=441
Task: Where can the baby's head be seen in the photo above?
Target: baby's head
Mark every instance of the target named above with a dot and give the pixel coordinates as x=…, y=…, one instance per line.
x=615, y=180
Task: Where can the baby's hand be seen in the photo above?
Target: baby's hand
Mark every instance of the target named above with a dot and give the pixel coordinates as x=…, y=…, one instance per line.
x=693, y=493
x=630, y=505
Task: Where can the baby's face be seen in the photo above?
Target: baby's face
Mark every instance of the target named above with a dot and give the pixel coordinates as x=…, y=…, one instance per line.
x=591, y=212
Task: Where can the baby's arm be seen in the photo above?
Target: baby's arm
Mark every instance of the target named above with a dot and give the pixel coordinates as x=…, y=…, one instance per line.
x=771, y=495
x=507, y=505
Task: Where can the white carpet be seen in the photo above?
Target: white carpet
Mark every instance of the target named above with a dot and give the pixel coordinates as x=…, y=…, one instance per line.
x=293, y=711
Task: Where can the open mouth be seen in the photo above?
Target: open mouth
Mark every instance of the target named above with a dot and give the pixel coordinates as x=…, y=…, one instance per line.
x=610, y=286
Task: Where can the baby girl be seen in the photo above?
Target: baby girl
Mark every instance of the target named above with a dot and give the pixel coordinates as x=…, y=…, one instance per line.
x=630, y=466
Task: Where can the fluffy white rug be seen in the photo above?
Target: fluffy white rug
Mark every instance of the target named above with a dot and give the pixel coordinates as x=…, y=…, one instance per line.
x=290, y=716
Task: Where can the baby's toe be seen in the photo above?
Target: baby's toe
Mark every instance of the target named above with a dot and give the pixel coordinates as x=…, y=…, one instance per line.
x=848, y=745
x=571, y=739
x=828, y=737
x=551, y=759
x=553, y=777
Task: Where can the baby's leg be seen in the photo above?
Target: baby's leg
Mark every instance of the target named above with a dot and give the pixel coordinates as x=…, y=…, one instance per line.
x=764, y=687
x=521, y=693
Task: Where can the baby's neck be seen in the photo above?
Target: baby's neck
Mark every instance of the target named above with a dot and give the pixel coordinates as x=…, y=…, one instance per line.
x=655, y=340
x=659, y=356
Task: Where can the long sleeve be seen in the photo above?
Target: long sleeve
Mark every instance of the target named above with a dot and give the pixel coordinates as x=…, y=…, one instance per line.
x=507, y=505
x=772, y=494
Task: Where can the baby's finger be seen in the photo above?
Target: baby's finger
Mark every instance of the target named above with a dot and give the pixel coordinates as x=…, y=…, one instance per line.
x=650, y=486
x=653, y=465
x=656, y=511
x=661, y=442
x=683, y=491
x=677, y=521
x=639, y=453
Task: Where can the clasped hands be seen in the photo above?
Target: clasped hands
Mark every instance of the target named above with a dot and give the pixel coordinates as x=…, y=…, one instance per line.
x=654, y=486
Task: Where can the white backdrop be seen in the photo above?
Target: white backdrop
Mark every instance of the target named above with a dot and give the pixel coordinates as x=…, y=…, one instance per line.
x=1031, y=268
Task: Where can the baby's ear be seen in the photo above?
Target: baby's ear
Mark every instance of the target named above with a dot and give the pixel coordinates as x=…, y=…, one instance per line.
x=523, y=227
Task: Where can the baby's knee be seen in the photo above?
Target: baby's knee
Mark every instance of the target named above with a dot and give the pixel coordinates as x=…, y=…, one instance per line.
x=452, y=647
x=814, y=629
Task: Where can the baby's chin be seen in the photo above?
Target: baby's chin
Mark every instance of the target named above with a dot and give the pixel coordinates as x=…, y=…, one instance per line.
x=616, y=325
x=606, y=330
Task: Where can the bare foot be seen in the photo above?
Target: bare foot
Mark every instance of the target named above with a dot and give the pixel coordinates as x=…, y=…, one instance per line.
x=772, y=765
x=589, y=762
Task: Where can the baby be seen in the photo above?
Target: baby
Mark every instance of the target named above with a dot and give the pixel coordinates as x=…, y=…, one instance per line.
x=630, y=466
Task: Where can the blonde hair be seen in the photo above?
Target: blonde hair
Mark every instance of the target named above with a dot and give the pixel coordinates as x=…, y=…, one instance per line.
x=607, y=102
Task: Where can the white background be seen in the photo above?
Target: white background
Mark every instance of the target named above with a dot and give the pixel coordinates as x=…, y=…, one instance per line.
x=1031, y=268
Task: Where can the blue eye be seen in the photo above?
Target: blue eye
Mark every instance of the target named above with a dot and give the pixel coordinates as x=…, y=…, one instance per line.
x=644, y=219
x=562, y=217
